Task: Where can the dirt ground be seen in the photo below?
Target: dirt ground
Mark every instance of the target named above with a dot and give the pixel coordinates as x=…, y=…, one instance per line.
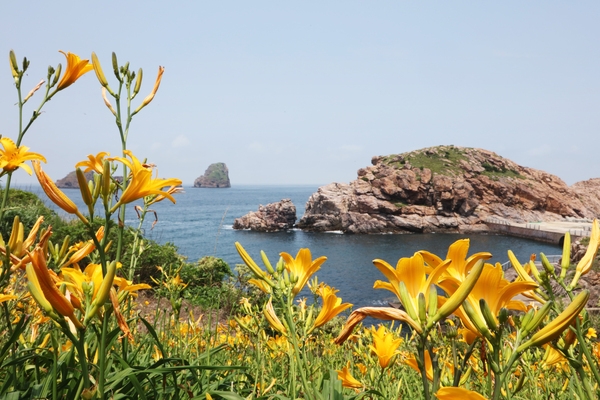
x=150, y=307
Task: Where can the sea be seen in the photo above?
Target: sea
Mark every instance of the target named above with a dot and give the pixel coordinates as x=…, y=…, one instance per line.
x=200, y=224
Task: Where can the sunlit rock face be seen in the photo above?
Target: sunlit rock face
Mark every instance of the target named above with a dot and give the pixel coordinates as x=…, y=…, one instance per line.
x=273, y=217
x=446, y=189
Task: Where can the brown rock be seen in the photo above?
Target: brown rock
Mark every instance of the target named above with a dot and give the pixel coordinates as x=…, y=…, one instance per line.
x=273, y=217
x=446, y=188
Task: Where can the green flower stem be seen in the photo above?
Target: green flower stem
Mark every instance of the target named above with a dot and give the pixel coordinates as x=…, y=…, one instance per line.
x=299, y=360
x=586, y=351
x=421, y=344
x=78, y=343
x=102, y=355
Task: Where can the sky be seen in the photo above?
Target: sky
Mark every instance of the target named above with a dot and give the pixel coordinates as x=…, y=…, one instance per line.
x=308, y=92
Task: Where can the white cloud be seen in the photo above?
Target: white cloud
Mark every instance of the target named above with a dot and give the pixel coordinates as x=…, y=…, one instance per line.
x=180, y=141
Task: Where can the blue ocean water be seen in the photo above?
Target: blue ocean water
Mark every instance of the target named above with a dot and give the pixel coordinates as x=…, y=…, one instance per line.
x=200, y=224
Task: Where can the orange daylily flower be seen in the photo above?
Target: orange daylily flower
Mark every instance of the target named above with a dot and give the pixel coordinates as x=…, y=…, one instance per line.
x=76, y=67
x=384, y=345
x=141, y=183
x=94, y=162
x=332, y=306
x=13, y=157
x=347, y=379
x=457, y=393
x=302, y=267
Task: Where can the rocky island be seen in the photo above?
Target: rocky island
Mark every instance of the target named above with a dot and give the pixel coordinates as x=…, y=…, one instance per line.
x=446, y=189
x=70, y=181
x=273, y=217
x=215, y=176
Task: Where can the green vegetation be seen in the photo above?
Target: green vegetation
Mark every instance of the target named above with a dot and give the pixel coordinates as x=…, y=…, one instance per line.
x=28, y=207
x=494, y=172
x=443, y=160
x=216, y=172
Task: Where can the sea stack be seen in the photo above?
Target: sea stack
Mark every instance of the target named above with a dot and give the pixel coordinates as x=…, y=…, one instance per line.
x=215, y=176
x=70, y=181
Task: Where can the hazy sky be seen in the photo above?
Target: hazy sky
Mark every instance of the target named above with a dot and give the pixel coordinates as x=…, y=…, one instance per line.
x=307, y=92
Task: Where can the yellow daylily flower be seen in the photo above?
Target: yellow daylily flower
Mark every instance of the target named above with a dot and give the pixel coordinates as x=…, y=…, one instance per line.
x=524, y=276
x=7, y=297
x=302, y=267
x=272, y=318
x=55, y=194
x=553, y=357
x=262, y=285
x=495, y=290
x=411, y=361
x=347, y=379
x=332, y=306
x=84, y=250
x=76, y=67
x=149, y=200
x=457, y=393
x=141, y=183
x=460, y=265
x=417, y=279
x=94, y=162
x=384, y=345
x=17, y=243
x=591, y=333
x=13, y=157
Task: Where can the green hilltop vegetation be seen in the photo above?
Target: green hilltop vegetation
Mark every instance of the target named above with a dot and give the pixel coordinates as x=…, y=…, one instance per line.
x=445, y=160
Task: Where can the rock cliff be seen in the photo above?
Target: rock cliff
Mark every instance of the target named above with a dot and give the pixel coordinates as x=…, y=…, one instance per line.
x=273, y=217
x=215, y=176
x=70, y=181
x=445, y=189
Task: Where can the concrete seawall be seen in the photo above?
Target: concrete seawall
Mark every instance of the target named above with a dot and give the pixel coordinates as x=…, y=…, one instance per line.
x=549, y=232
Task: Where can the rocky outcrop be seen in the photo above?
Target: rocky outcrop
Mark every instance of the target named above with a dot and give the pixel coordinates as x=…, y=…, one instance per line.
x=70, y=181
x=273, y=217
x=215, y=176
x=445, y=189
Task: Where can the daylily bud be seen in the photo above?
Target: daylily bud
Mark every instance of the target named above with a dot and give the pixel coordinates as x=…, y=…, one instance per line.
x=433, y=301
x=56, y=75
x=14, y=66
x=149, y=98
x=565, y=263
x=422, y=308
x=280, y=265
x=525, y=319
x=65, y=247
x=115, y=65
x=503, y=316
x=407, y=302
x=477, y=320
x=547, y=266
x=559, y=324
x=459, y=296
x=267, y=263
x=103, y=290
x=537, y=319
x=138, y=83
x=106, y=181
x=86, y=195
x=489, y=318
x=272, y=318
x=286, y=278
x=98, y=70
x=97, y=185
